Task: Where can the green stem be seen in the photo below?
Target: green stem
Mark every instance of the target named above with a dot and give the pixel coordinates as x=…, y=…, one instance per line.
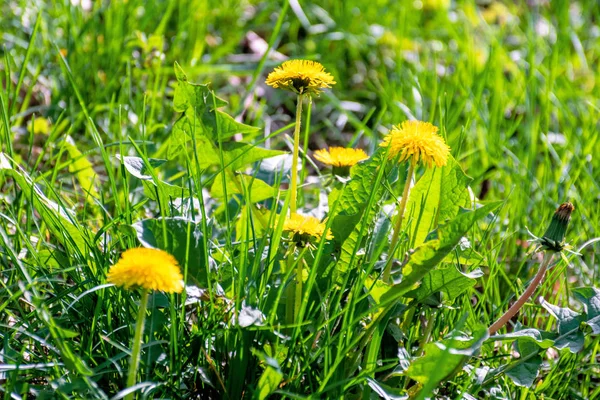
x=305, y=142
x=388, y=266
x=294, y=178
x=426, y=333
x=299, y=282
x=514, y=309
x=137, y=342
x=290, y=290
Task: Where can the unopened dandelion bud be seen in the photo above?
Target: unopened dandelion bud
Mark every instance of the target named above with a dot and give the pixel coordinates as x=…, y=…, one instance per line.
x=553, y=238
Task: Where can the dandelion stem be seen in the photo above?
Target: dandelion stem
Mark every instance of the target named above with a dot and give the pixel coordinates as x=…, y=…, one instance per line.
x=299, y=276
x=514, y=309
x=137, y=342
x=294, y=178
x=290, y=307
x=388, y=266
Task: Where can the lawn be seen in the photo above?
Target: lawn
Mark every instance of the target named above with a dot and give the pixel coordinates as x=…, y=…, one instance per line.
x=334, y=199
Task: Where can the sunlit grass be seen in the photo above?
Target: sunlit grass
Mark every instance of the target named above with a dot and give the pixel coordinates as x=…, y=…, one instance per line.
x=107, y=146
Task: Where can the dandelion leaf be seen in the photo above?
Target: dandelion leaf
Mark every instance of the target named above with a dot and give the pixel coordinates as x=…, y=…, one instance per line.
x=255, y=189
x=444, y=358
x=200, y=107
x=449, y=281
x=427, y=256
x=436, y=198
x=569, y=321
x=355, y=213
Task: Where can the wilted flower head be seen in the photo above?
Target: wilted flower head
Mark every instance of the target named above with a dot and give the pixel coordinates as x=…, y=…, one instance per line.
x=305, y=229
x=340, y=156
x=416, y=141
x=150, y=269
x=300, y=76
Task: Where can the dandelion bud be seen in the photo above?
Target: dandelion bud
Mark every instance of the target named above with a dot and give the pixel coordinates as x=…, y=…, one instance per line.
x=554, y=237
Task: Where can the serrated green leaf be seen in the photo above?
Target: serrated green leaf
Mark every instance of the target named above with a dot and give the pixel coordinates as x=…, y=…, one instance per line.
x=436, y=198
x=359, y=188
x=541, y=339
x=376, y=288
x=351, y=206
x=258, y=190
x=524, y=373
x=179, y=73
x=427, y=256
x=200, y=106
x=236, y=155
x=568, y=327
x=164, y=192
x=443, y=358
x=227, y=125
x=590, y=298
x=449, y=281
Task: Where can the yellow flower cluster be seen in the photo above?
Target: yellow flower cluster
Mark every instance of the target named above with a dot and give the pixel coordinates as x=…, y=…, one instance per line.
x=340, y=156
x=416, y=141
x=150, y=269
x=301, y=77
x=305, y=228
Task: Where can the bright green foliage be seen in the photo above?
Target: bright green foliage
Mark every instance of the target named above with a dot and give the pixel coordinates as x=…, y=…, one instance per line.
x=444, y=358
x=242, y=184
x=56, y=216
x=156, y=129
x=83, y=170
x=436, y=199
x=449, y=281
x=431, y=253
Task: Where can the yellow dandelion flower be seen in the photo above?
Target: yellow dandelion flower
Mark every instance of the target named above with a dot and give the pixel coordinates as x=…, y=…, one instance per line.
x=151, y=269
x=40, y=126
x=340, y=157
x=305, y=229
x=300, y=76
x=417, y=141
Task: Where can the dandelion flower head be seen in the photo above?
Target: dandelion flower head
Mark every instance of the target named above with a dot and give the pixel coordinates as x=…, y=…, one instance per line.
x=340, y=156
x=150, y=269
x=301, y=76
x=305, y=228
x=416, y=141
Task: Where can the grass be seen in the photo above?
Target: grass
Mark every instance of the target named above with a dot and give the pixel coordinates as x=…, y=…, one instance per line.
x=512, y=87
